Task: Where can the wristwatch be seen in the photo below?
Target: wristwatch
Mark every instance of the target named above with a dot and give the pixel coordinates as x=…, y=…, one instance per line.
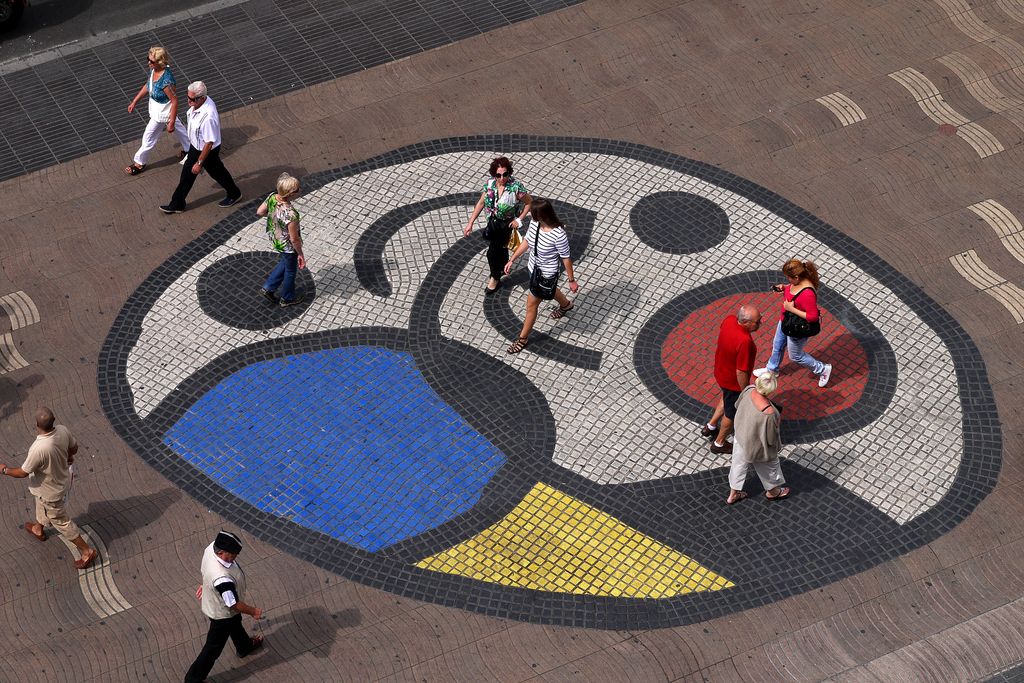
x=4, y=471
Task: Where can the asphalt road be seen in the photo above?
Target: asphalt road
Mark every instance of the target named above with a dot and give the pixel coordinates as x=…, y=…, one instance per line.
x=51, y=23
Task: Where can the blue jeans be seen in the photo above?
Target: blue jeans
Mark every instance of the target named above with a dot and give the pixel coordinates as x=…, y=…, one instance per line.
x=284, y=272
x=796, y=353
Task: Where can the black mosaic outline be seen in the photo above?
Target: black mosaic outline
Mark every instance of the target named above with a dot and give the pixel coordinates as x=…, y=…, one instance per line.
x=691, y=234
x=368, y=256
x=882, y=367
x=253, y=312
x=864, y=547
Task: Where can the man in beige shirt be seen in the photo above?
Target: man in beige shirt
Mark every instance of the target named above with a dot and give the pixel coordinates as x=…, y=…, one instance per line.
x=48, y=467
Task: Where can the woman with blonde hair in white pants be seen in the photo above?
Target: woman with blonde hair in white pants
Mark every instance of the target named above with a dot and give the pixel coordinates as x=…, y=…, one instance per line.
x=163, y=110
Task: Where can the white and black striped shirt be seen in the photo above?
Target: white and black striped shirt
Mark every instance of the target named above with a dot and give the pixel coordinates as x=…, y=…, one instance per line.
x=552, y=246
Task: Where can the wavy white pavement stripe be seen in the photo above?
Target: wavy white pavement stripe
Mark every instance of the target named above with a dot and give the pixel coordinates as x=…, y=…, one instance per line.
x=983, y=89
x=974, y=270
x=97, y=582
x=20, y=309
x=963, y=17
x=938, y=110
x=844, y=109
x=10, y=358
x=1006, y=225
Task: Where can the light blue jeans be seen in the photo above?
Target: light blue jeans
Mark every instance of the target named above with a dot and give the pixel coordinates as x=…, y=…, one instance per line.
x=796, y=353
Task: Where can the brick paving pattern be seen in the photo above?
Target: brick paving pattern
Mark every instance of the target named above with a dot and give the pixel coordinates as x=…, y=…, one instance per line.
x=76, y=104
x=898, y=557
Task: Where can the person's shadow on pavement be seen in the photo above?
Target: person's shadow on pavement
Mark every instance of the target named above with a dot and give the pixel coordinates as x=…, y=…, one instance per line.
x=306, y=629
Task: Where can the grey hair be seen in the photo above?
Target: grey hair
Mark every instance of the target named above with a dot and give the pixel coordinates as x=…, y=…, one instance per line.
x=197, y=88
x=746, y=313
x=767, y=384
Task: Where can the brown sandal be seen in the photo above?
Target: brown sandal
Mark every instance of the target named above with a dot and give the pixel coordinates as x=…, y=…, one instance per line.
x=39, y=537
x=86, y=560
x=132, y=169
x=518, y=345
x=559, y=312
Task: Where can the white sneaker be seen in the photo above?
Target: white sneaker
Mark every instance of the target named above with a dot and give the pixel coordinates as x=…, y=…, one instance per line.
x=825, y=375
x=759, y=372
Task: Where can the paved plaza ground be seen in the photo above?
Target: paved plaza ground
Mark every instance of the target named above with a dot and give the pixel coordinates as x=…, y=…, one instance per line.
x=418, y=505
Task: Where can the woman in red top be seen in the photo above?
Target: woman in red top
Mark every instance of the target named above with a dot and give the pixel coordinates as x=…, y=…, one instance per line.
x=799, y=297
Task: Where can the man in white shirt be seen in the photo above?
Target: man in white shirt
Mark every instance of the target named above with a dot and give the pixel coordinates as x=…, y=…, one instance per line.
x=221, y=595
x=204, y=151
x=48, y=466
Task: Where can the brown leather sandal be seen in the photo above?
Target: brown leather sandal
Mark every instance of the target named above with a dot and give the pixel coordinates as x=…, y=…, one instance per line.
x=39, y=537
x=559, y=312
x=86, y=560
x=518, y=345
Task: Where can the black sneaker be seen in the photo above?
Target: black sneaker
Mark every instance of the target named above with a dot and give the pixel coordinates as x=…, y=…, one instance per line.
x=167, y=208
x=228, y=201
x=294, y=302
x=708, y=433
x=269, y=296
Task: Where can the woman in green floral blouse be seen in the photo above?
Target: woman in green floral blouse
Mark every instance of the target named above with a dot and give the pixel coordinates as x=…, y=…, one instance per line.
x=502, y=195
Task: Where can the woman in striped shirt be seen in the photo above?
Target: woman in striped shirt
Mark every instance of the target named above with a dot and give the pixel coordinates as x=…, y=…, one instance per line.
x=550, y=253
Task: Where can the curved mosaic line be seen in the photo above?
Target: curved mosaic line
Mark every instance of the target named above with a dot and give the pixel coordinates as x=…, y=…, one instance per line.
x=591, y=443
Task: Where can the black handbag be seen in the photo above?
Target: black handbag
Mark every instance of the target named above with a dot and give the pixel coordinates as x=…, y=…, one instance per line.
x=495, y=226
x=799, y=328
x=541, y=286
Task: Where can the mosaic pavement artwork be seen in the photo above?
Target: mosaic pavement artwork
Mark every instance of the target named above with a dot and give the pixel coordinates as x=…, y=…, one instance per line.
x=381, y=431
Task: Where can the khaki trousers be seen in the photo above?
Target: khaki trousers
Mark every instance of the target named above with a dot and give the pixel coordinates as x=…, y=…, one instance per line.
x=52, y=513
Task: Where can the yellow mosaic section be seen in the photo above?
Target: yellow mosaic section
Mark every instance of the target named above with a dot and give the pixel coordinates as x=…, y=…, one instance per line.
x=553, y=542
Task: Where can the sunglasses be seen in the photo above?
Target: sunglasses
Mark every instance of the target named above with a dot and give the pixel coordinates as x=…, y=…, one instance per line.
x=502, y=175
x=190, y=98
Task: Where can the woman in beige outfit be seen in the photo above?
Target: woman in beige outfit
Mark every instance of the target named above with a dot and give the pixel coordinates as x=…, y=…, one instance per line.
x=756, y=441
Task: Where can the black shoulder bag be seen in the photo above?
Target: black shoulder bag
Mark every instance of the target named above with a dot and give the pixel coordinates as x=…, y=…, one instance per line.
x=797, y=327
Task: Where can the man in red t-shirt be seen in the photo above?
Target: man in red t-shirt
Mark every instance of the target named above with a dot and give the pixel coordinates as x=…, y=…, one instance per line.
x=734, y=361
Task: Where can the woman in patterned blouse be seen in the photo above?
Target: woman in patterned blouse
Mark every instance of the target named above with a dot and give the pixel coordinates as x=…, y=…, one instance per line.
x=501, y=196
x=285, y=238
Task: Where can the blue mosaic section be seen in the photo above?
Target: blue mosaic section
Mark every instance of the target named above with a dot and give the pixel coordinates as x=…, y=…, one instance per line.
x=351, y=442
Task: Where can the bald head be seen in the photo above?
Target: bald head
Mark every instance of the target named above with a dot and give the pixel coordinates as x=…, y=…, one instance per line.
x=45, y=419
x=748, y=314
x=749, y=317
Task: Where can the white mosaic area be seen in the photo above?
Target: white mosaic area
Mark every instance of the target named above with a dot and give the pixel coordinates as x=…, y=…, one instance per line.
x=610, y=428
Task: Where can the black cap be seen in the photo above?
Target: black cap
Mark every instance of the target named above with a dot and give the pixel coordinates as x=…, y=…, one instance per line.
x=227, y=542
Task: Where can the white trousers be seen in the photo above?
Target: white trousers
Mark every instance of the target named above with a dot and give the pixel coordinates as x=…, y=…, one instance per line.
x=770, y=473
x=152, y=134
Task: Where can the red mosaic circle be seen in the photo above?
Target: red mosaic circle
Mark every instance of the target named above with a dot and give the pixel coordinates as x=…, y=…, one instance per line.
x=688, y=355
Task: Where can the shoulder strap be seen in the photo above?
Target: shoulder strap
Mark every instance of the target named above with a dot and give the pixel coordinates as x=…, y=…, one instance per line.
x=536, y=239
x=810, y=287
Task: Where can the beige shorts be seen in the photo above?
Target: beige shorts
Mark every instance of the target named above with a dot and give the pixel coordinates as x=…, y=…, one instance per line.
x=50, y=513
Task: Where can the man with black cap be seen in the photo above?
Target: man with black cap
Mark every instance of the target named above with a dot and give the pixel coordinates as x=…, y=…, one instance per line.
x=221, y=595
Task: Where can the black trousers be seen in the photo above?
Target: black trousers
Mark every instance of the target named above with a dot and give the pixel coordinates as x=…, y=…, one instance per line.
x=213, y=165
x=497, y=249
x=216, y=639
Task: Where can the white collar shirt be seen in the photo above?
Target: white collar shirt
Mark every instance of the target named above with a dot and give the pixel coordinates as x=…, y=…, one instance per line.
x=204, y=125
